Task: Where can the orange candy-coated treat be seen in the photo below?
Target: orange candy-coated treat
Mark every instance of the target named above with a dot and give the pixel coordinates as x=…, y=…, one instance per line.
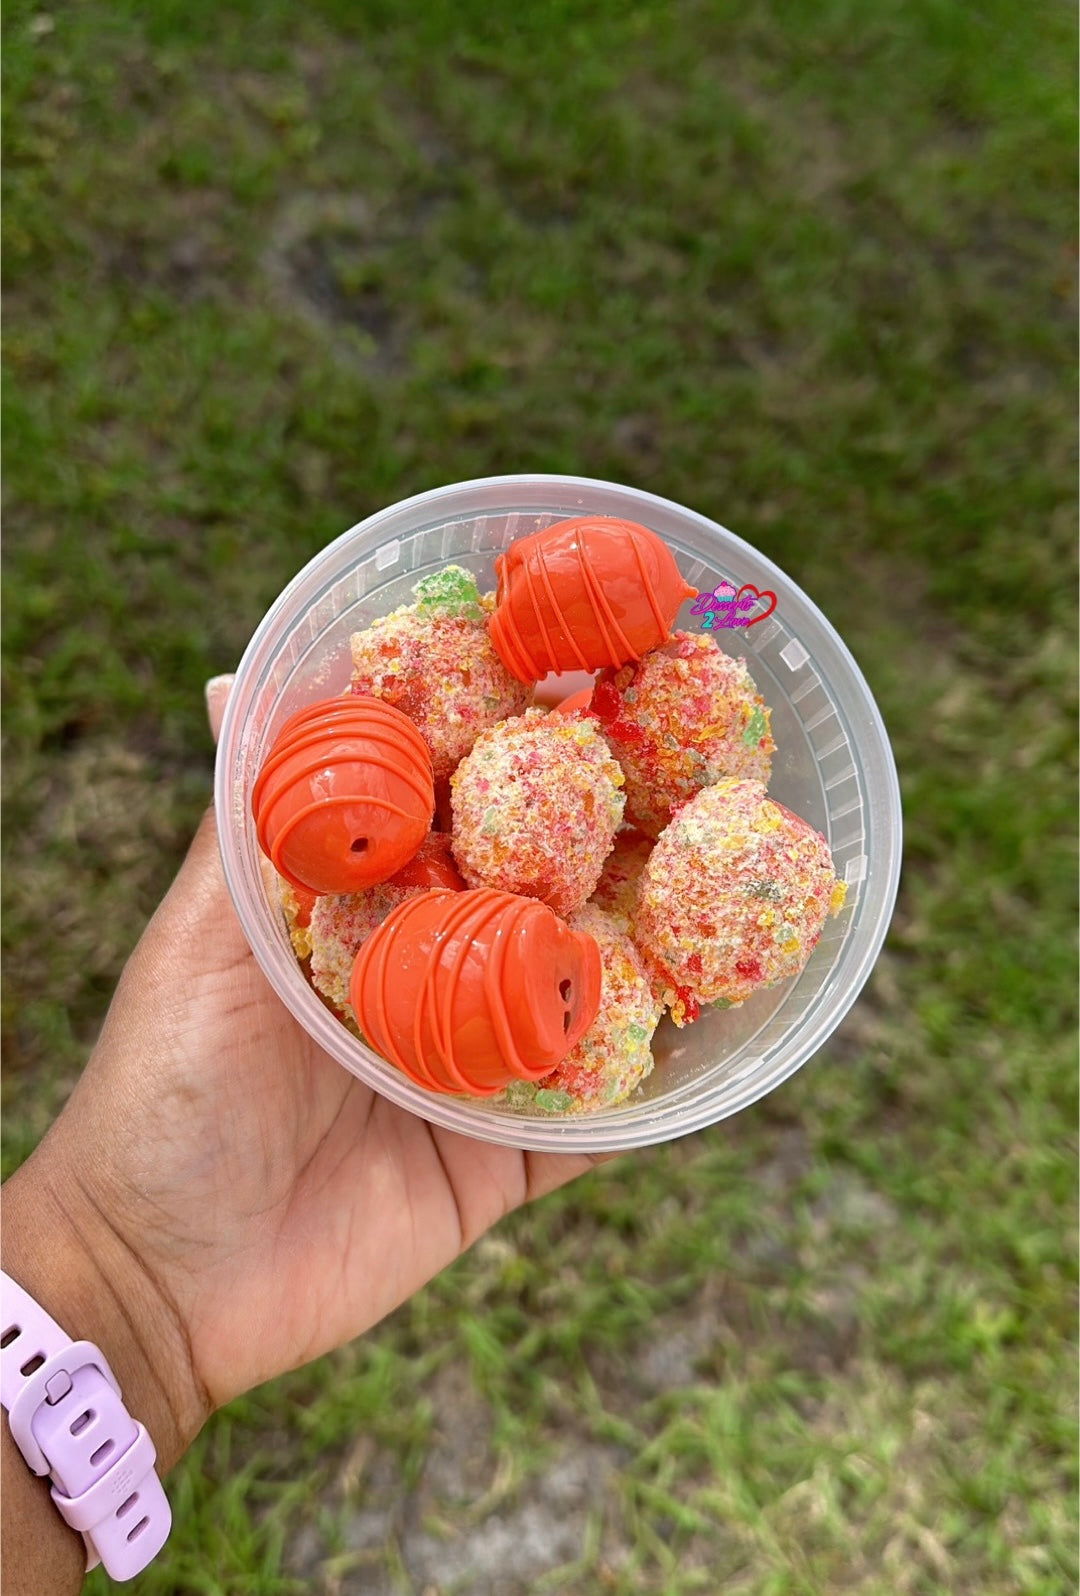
x=576, y=704
x=431, y=866
x=467, y=991
x=614, y=1054
x=584, y=593
x=560, y=686
x=345, y=797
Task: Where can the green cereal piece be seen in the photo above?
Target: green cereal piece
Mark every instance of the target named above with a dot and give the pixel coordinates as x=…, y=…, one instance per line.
x=770, y=890
x=756, y=729
x=451, y=592
x=553, y=1102
x=518, y=1096
x=637, y=1033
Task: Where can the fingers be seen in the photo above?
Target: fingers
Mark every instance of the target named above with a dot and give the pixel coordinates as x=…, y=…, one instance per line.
x=217, y=692
x=204, y=847
x=203, y=862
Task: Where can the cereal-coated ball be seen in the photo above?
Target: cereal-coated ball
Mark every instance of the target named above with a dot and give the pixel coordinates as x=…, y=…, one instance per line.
x=435, y=662
x=733, y=897
x=616, y=891
x=535, y=807
x=682, y=718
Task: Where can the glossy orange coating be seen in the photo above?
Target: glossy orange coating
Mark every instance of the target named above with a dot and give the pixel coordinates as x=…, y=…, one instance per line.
x=467, y=991
x=591, y=591
x=345, y=797
x=305, y=902
x=575, y=704
x=323, y=712
x=432, y=865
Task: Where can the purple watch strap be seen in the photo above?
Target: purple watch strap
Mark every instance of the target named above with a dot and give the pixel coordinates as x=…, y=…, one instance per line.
x=68, y=1420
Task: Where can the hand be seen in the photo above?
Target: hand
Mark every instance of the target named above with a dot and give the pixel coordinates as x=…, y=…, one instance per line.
x=248, y=1202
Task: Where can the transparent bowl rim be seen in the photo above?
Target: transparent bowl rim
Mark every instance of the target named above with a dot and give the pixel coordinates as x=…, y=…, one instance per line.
x=614, y=1129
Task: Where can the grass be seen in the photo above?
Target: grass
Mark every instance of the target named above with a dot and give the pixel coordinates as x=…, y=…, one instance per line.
x=809, y=269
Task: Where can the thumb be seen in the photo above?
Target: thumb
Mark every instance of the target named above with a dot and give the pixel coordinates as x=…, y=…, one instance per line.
x=217, y=692
x=202, y=867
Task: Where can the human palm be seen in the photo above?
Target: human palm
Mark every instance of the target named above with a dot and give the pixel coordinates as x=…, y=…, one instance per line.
x=280, y=1204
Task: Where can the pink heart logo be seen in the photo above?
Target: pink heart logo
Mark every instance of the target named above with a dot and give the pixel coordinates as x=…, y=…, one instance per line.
x=748, y=587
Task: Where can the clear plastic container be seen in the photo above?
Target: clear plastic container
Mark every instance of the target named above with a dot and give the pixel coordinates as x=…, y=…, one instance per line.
x=833, y=766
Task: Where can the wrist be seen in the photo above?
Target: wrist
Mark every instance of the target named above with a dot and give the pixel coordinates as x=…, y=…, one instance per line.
x=63, y=1247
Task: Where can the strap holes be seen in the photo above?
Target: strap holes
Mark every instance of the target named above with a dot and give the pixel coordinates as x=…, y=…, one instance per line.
x=128, y=1505
x=102, y=1452
x=81, y=1422
x=11, y=1335
x=140, y=1526
x=32, y=1363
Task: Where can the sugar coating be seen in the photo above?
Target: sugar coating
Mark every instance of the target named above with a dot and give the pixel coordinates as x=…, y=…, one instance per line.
x=733, y=897
x=340, y=925
x=617, y=889
x=614, y=1055
x=685, y=716
x=535, y=808
x=434, y=661
x=342, y=922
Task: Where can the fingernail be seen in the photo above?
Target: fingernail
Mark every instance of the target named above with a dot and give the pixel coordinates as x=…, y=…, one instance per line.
x=217, y=691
